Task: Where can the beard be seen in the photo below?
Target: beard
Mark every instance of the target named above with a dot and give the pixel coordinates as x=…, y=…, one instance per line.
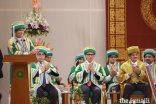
x=148, y=61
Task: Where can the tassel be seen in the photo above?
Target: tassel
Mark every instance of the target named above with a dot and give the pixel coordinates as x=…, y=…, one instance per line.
x=106, y=57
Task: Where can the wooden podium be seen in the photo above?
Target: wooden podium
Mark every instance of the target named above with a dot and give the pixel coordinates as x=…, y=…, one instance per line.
x=20, y=83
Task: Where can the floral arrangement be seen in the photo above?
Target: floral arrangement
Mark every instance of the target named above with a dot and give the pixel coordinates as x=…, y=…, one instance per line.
x=36, y=24
x=41, y=43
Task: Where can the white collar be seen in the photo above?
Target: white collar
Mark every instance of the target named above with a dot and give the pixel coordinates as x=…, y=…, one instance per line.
x=19, y=39
x=113, y=64
x=134, y=62
x=150, y=64
x=88, y=62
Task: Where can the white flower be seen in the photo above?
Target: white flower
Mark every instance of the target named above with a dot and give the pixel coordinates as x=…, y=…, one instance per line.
x=36, y=14
x=31, y=13
x=40, y=15
x=34, y=22
x=45, y=22
x=27, y=21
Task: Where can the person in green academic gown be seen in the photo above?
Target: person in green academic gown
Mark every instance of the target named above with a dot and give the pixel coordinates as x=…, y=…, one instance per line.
x=78, y=60
x=112, y=72
x=43, y=74
x=19, y=44
x=89, y=76
x=148, y=57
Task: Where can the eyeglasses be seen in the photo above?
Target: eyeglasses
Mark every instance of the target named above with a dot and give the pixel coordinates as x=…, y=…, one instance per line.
x=41, y=54
x=90, y=55
x=112, y=56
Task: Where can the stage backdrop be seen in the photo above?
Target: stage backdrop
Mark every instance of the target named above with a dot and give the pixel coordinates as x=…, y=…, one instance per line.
x=130, y=23
x=75, y=24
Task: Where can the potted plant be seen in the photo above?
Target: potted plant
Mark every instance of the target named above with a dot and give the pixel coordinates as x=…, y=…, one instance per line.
x=79, y=96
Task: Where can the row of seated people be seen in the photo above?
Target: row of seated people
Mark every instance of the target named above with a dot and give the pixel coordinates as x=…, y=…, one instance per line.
x=87, y=73
x=130, y=74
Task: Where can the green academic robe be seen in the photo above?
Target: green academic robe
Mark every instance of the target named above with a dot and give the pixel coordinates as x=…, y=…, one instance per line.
x=153, y=73
x=14, y=48
x=113, y=81
x=99, y=71
x=71, y=77
x=36, y=82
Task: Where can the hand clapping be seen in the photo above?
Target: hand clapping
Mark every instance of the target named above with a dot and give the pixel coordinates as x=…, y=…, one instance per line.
x=136, y=70
x=90, y=67
x=47, y=66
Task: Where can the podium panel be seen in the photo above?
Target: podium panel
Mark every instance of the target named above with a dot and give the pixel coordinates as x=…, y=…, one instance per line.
x=20, y=80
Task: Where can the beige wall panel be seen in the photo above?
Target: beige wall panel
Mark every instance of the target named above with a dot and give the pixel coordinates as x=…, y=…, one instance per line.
x=98, y=4
x=59, y=4
x=10, y=4
x=98, y=34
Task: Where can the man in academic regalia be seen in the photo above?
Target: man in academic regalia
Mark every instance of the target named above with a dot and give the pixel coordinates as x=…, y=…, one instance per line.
x=43, y=75
x=18, y=44
x=148, y=57
x=112, y=71
x=48, y=58
x=132, y=74
x=89, y=76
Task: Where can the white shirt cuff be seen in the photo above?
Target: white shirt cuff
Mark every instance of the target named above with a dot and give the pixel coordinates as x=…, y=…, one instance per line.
x=94, y=72
x=128, y=77
x=48, y=71
x=117, y=74
x=108, y=78
x=40, y=71
x=26, y=53
x=86, y=71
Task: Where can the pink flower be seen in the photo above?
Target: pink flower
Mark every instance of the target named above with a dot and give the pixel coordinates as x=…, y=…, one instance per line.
x=35, y=26
x=36, y=4
x=46, y=27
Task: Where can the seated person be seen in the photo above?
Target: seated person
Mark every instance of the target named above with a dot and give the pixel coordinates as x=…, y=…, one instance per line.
x=149, y=56
x=112, y=72
x=78, y=60
x=132, y=74
x=43, y=74
x=89, y=76
x=48, y=58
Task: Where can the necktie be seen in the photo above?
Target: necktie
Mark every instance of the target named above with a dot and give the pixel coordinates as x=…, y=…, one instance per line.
x=113, y=67
x=134, y=64
x=89, y=83
x=44, y=80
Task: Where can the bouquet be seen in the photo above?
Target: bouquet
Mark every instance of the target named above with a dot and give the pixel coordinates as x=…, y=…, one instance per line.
x=36, y=24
